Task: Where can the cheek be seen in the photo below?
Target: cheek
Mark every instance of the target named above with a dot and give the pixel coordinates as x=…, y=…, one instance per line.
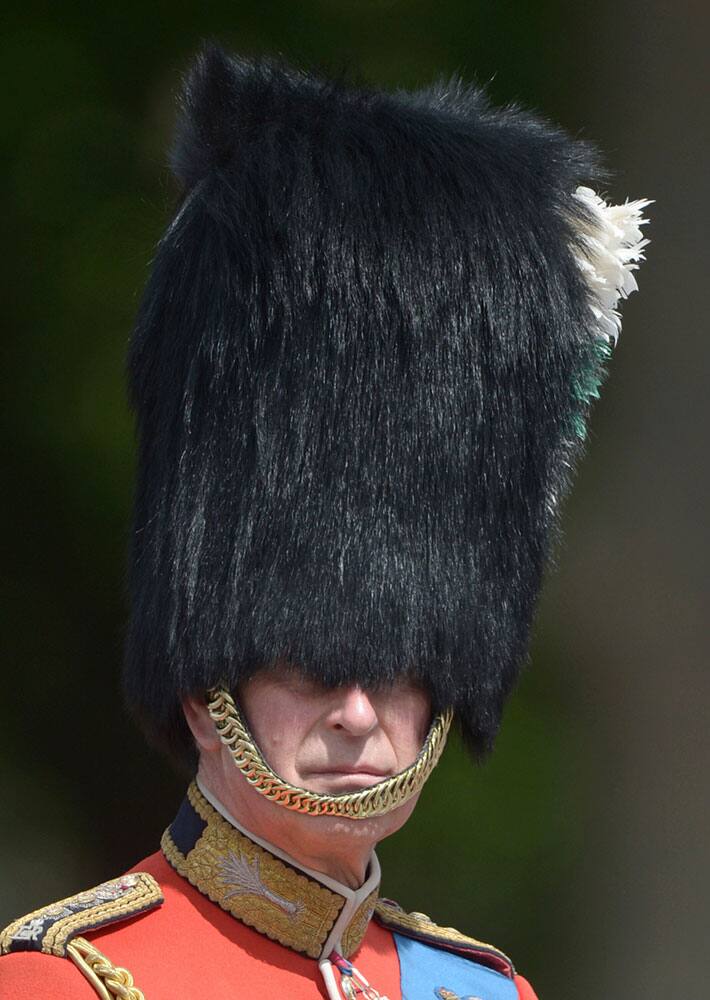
x=406, y=730
x=274, y=724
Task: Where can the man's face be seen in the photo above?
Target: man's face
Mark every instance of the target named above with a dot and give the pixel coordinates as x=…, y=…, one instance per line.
x=334, y=740
x=328, y=740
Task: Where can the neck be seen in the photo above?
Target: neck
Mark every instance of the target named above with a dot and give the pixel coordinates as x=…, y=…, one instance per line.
x=341, y=849
x=322, y=868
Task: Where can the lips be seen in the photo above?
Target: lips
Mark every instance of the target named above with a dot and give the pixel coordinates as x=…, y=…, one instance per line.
x=370, y=772
x=345, y=779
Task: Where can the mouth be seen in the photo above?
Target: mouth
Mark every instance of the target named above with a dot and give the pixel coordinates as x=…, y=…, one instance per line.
x=345, y=779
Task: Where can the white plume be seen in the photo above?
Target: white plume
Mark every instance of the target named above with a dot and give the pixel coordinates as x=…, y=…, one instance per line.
x=613, y=247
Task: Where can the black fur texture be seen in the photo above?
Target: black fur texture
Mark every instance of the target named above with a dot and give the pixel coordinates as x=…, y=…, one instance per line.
x=356, y=373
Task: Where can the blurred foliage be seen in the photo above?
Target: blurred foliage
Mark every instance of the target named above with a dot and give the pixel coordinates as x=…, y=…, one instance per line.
x=87, y=116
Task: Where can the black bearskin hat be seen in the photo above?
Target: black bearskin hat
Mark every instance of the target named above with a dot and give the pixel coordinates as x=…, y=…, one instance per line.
x=361, y=371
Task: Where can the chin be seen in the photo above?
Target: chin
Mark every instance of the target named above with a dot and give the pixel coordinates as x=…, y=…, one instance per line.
x=374, y=828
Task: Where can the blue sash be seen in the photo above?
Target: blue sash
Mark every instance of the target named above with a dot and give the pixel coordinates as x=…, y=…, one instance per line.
x=429, y=973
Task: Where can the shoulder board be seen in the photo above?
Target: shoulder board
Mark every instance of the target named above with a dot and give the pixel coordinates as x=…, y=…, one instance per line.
x=422, y=928
x=51, y=929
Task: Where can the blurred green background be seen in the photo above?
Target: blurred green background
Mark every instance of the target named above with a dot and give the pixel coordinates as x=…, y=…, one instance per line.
x=581, y=847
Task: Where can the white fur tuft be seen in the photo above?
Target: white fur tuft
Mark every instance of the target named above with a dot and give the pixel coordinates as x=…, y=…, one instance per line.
x=612, y=249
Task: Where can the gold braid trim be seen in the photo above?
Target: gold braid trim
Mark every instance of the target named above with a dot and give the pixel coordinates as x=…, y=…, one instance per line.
x=51, y=927
x=374, y=801
x=110, y=981
x=419, y=925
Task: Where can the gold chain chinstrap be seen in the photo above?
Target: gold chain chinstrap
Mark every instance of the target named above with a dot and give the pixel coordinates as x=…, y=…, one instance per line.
x=110, y=981
x=374, y=801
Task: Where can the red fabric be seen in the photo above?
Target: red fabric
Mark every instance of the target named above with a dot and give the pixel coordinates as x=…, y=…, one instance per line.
x=525, y=990
x=27, y=975
x=190, y=948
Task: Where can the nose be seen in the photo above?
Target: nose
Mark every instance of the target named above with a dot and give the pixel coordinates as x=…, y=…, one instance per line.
x=353, y=712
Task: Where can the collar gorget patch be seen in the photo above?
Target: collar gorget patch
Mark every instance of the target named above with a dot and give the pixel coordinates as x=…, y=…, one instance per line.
x=262, y=886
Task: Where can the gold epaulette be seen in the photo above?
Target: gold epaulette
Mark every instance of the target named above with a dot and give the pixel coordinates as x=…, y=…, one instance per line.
x=52, y=928
x=422, y=928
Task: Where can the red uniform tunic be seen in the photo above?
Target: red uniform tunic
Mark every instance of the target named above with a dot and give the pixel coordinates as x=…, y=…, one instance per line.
x=196, y=943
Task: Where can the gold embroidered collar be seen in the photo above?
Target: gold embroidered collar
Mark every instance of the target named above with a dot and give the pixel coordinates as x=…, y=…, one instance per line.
x=262, y=886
